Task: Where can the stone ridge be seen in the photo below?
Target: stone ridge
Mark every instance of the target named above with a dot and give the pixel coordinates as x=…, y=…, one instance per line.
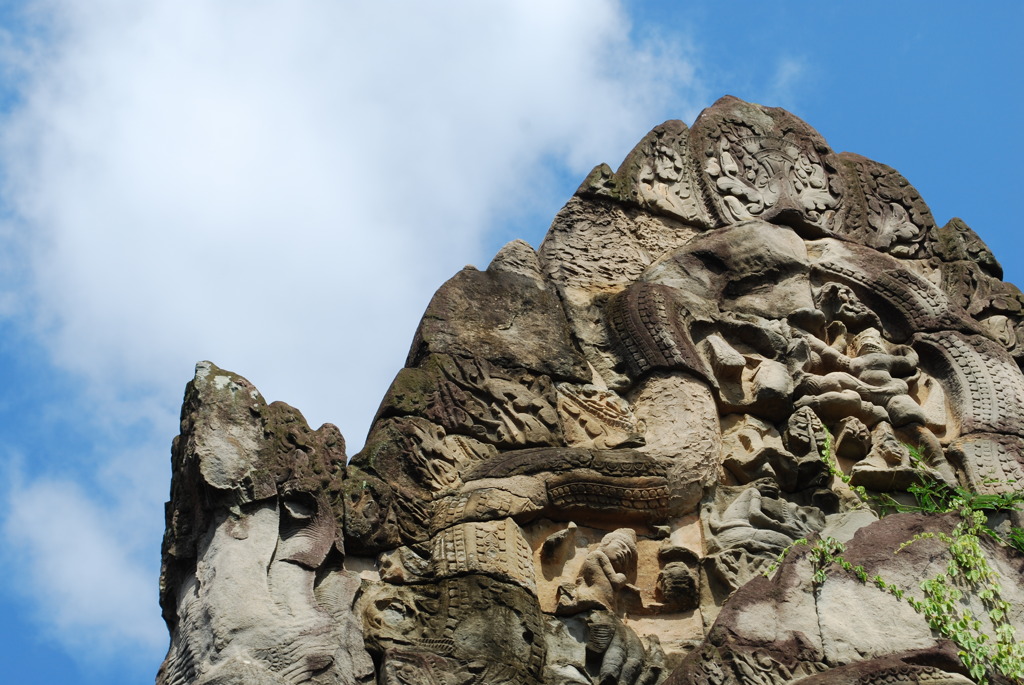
x=596, y=450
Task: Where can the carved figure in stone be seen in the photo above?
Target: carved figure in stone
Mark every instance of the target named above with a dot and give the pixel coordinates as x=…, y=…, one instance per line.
x=597, y=447
x=866, y=380
x=677, y=586
x=677, y=581
x=752, y=449
x=838, y=302
x=622, y=656
x=759, y=521
x=805, y=433
x=863, y=377
x=888, y=465
x=664, y=184
x=604, y=574
x=853, y=439
x=748, y=531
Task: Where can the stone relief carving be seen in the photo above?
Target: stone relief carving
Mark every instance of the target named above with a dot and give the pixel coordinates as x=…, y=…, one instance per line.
x=753, y=449
x=864, y=379
x=678, y=583
x=664, y=182
x=991, y=464
x=437, y=459
x=604, y=575
x=890, y=214
x=493, y=548
x=766, y=164
x=596, y=448
x=503, y=407
x=747, y=530
x=986, y=391
x=648, y=323
x=596, y=417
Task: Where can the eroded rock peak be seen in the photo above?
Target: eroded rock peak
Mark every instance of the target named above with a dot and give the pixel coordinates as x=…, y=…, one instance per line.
x=598, y=448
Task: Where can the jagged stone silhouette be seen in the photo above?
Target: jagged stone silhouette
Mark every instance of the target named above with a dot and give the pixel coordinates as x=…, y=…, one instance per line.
x=596, y=449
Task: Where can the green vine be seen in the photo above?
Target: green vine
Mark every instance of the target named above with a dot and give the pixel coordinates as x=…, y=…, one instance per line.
x=968, y=569
x=932, y=496
x=967, y=573
x=831, y=464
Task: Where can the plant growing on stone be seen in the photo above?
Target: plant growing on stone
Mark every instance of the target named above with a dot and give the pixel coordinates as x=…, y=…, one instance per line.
x=828, y=456
x=967, y=573
x=932, y=496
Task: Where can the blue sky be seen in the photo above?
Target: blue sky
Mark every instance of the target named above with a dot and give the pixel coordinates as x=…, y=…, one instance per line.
x=279, y=186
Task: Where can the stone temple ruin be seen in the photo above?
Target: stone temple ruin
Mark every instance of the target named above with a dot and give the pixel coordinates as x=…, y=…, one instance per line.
x=597, y=450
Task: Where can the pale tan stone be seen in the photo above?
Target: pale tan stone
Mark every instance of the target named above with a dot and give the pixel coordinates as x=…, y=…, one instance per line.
x=681, y=417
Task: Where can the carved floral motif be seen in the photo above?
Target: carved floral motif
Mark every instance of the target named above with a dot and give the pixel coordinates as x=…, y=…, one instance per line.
x=762, y=164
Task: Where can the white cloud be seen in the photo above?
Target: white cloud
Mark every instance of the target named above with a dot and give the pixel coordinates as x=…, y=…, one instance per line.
x=91, y=593
x=277, y=187
x=790, y=73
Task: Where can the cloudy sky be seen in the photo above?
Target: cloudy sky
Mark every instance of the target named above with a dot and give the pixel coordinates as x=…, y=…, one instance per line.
x=279, y=185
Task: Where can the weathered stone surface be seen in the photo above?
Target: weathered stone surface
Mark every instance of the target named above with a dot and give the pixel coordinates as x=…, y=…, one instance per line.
x=764, y=163
x=508, y=315
x=504, y=407
x=593, y=250
x=887, y=213
x=936, y=666
x=792, y=626
x=251, y=585
x=658, y=175
x=679, y=412
x=720, y=353
x=597, y=417
x=986, y=392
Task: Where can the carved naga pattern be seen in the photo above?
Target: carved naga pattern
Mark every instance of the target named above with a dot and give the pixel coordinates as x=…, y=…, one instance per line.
x=592, y=496
x=646, y=321
x=987, y=386
x=915, y=304
x=594, y=417
x=992, y=463
x=652, y=501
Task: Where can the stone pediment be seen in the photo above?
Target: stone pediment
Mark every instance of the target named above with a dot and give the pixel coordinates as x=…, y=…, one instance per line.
x=597, y=452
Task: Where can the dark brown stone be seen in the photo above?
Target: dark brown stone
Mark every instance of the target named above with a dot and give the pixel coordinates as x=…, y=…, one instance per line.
x=510, y=319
